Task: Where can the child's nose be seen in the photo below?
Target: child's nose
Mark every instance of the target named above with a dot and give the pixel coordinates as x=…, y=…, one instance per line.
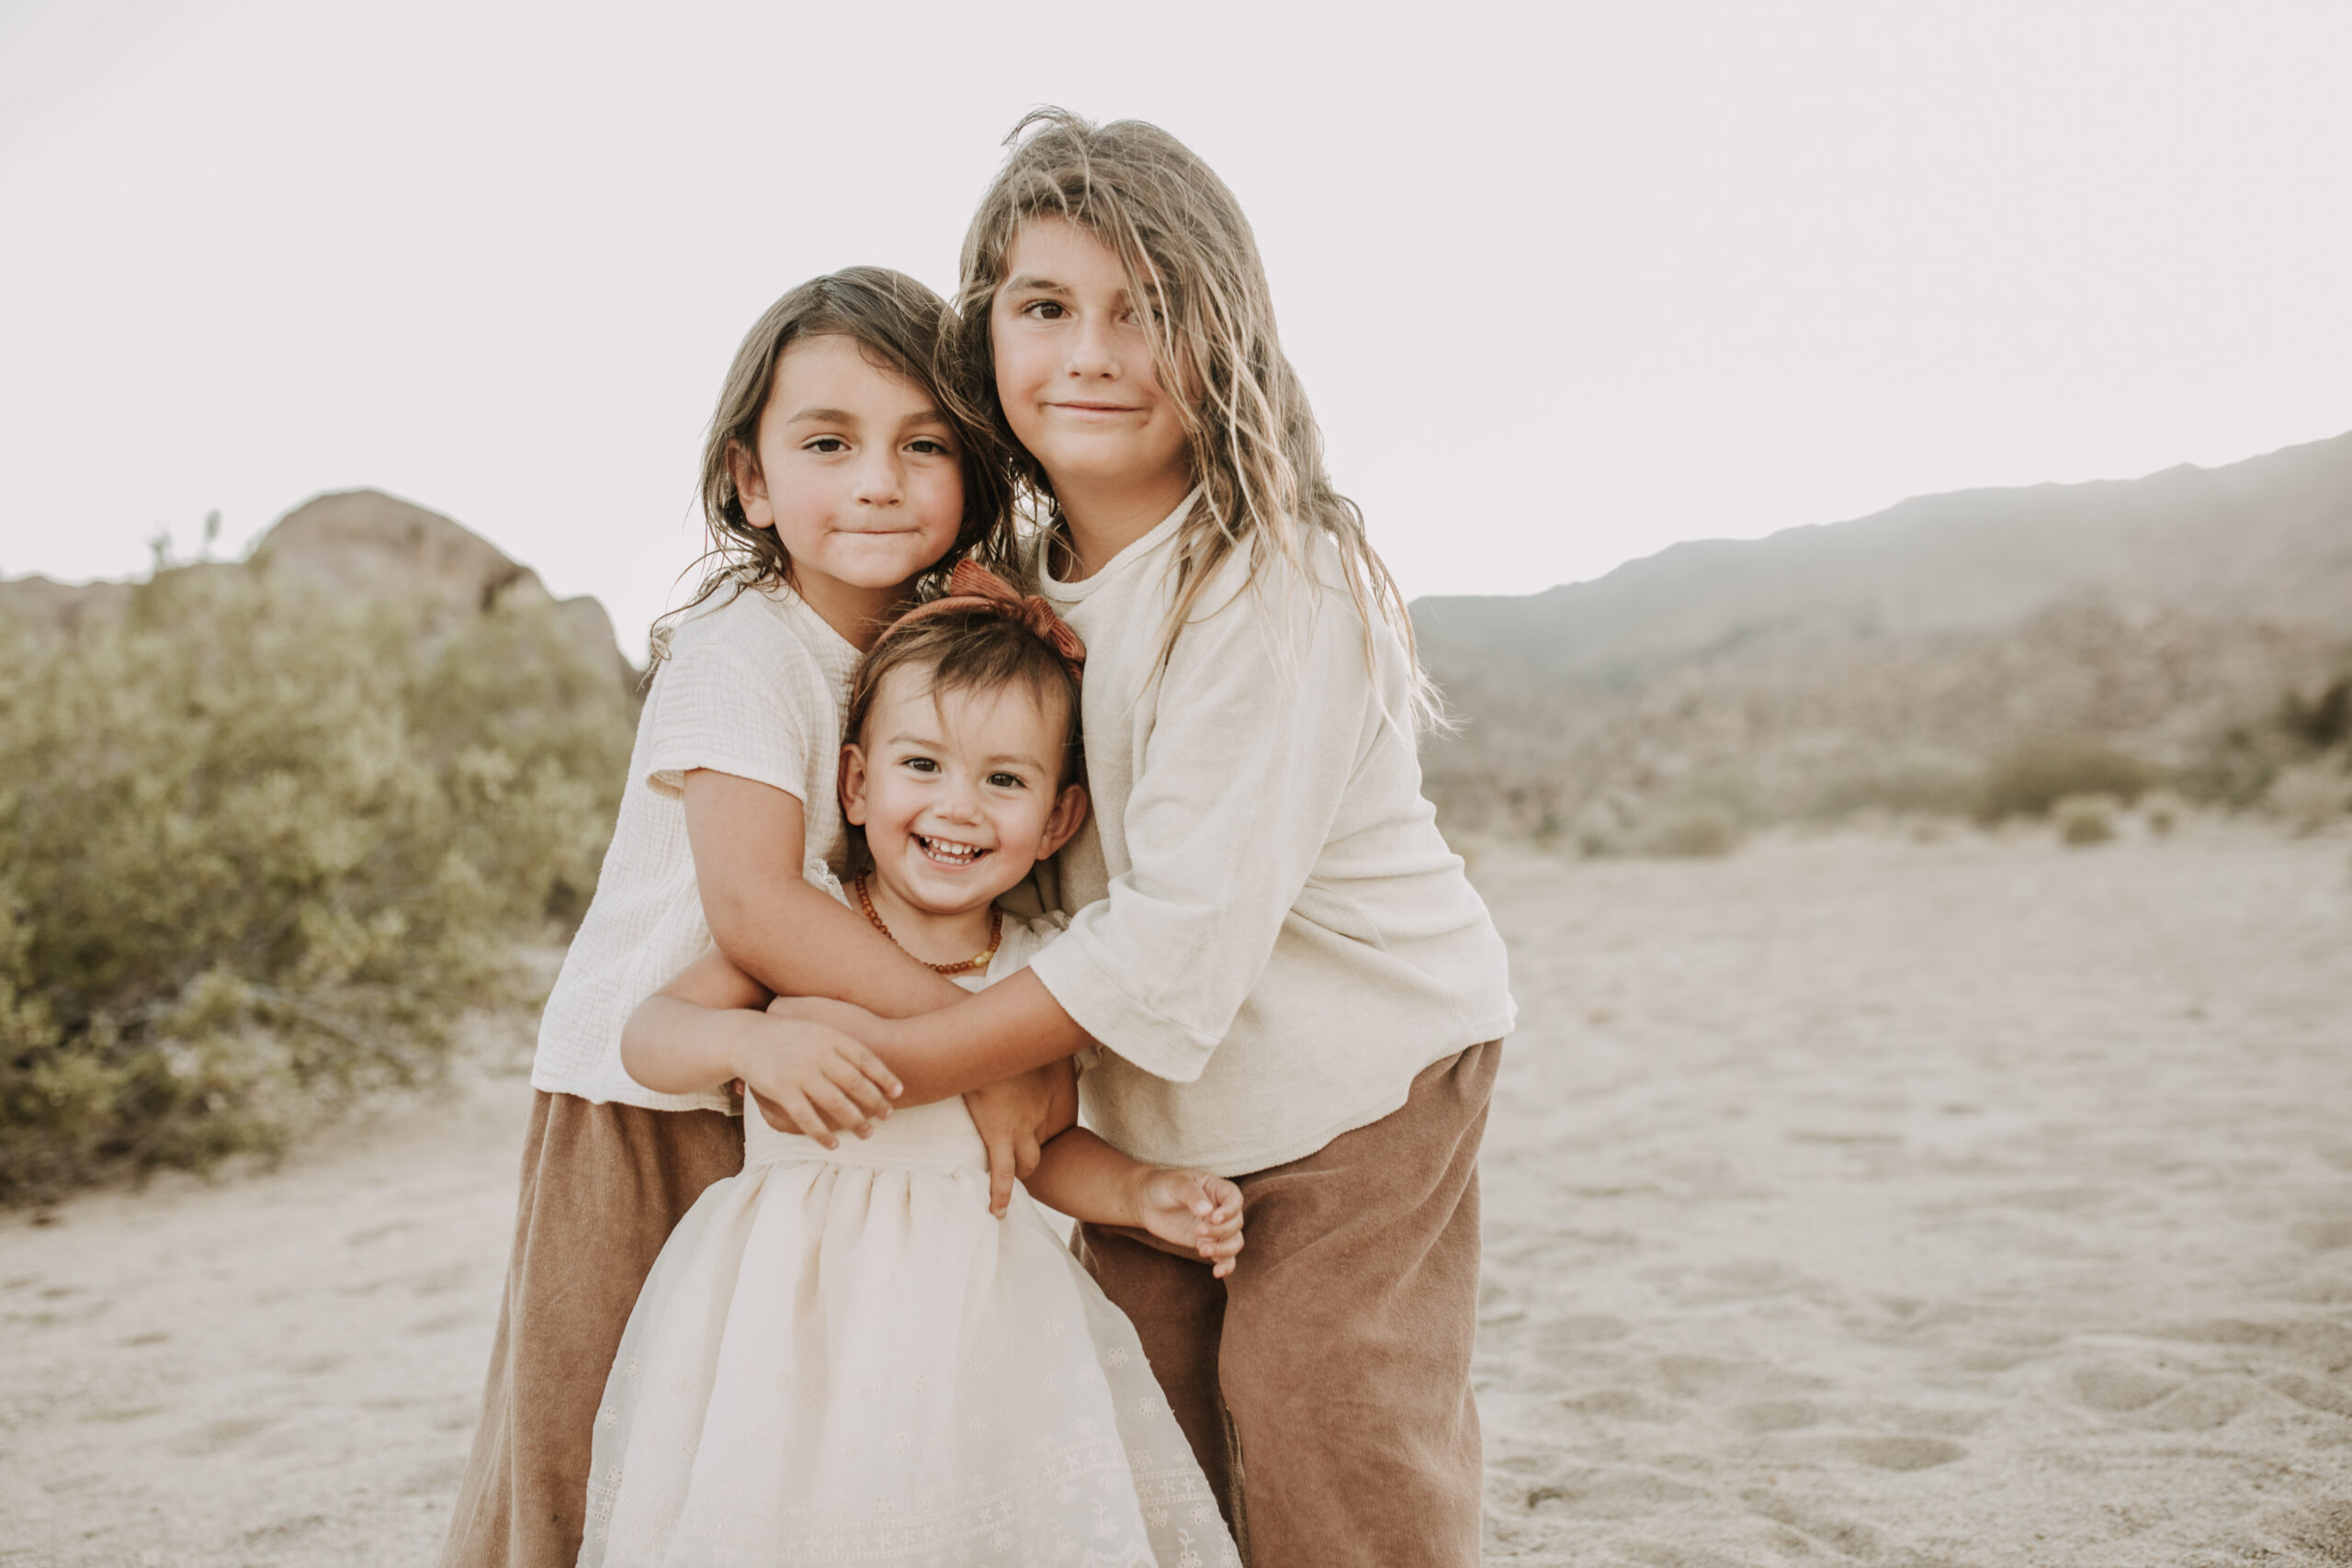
x=959, y=801
x=879, y=480
x=1092, y=351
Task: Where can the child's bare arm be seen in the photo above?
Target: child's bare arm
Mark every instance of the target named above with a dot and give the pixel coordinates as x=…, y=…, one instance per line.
x=702, y=1028
x=1189, y=1210
x=794, y=939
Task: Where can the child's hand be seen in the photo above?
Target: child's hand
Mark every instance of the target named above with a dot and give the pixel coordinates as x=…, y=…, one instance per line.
x=1015, y=1117
x=812, y=1079
x=1195, y=1210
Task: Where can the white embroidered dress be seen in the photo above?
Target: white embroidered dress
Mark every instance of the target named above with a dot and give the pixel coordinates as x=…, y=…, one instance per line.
x=841, y=1357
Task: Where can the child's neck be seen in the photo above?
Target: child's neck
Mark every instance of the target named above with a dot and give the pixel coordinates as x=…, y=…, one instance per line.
x=857, y=614
x=1104, y=519
x=934, y=938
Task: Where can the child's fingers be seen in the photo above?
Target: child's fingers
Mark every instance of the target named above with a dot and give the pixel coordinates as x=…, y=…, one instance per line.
x=803, y=1115
x=1214, y=1199
x=999, y=1178
x=838, y=1108
x=872, y=1102
x=872, y=1066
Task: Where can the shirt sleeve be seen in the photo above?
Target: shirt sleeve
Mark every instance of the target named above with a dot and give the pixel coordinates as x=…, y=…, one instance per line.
x=716, y=709
x=1261, y=719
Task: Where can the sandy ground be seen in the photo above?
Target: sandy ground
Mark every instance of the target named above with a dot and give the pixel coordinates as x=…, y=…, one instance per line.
x=1848, y=1202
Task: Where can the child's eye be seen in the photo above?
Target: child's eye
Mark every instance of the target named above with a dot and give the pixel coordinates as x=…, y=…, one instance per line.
x=930, y=447
x=922, y=764
x=1044, y=310
x=1008, y=781
x=825, y=444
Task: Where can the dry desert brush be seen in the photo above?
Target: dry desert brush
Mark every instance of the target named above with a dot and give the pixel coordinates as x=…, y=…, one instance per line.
x=256, y=857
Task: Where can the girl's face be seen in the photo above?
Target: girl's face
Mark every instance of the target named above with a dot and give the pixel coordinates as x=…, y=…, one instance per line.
x=958, y=792
x=857, y=470
x=1073, y=366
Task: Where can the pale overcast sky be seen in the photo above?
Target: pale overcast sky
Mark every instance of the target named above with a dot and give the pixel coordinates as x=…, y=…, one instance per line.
x=1565, y=283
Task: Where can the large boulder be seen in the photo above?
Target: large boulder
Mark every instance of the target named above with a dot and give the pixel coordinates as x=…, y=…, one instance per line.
x=362, y=544
x=356, y=546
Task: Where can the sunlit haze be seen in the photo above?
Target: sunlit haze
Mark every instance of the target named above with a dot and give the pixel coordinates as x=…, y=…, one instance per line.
x=1565, y=283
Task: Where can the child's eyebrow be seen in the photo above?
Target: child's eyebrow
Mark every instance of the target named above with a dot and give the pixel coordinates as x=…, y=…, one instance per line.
x=823, y=416
x=1028, y=285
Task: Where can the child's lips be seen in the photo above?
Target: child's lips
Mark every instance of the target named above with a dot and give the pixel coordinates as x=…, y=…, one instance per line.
x=953, y=854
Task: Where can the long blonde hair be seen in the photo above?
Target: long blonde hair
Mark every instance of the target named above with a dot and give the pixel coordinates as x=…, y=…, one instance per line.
x=1257, y=453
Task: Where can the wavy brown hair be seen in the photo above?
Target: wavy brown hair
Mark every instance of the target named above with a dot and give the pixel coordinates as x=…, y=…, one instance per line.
x=1257, y=453
x=902, y=327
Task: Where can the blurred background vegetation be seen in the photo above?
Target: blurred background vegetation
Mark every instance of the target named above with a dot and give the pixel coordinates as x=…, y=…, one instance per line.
x=262, y=847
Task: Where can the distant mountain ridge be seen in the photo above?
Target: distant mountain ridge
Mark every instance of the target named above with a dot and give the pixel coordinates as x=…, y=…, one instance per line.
x=2146, y=613
x=2267, y=538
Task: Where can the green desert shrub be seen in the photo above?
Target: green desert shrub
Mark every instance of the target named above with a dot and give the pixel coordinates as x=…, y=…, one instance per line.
x=255, y=858
x=1695, y=832
x=2163, y=811
x=2085, y=819
x=2310, y=796
x=1905, y=789
x=2244, y=762
x=2030, y=778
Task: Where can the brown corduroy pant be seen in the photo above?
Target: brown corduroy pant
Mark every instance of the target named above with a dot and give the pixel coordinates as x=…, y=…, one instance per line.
x=1326, y=1383
x=603, y=1187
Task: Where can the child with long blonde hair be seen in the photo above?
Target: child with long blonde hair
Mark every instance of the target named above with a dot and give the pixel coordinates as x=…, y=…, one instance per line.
x=1291, y=979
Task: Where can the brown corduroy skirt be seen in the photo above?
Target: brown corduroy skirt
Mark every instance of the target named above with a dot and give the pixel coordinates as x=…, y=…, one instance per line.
x=603, y=1187
x=1325, y=1386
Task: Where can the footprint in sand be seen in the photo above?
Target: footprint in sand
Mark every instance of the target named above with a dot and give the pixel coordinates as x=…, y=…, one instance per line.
x=2200, y=1407
x=2312, y=1395
x=1713, y=1377
x=1612, y=1493
x=2120, y=1387
x=1850, y=1536
x=2326, y=1233
x=1618, y=1404
x=1565, y=1334
x=1901, y=1452
x=1776, y=1415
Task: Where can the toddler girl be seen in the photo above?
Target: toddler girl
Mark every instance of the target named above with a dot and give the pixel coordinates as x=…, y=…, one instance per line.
x=840, y=1356
x=834, y=477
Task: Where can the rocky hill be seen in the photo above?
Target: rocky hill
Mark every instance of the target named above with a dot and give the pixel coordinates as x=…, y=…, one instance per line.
x=2146, y=613
x=357, y=547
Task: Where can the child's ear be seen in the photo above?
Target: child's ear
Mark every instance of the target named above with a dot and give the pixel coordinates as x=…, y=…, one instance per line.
x=853, y=785
x=751, y=486
x=1069, y=815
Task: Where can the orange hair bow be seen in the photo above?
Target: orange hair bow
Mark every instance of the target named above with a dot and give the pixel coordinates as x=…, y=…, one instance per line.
x=973, y=587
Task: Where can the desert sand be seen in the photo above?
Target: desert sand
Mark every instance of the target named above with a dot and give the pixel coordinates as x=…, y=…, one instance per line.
x=1853, y=1200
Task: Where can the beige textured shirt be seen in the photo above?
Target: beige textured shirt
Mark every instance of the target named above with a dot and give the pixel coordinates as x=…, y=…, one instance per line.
x=753, y=686
x=1272, y=936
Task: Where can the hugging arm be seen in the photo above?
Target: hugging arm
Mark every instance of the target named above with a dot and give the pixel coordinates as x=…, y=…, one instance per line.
x=748, y=840
x=1264, y=717
x=701, y=1028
